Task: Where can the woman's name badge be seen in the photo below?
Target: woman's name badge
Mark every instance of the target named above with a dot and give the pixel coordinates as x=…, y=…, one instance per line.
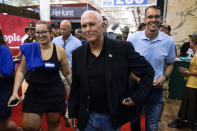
x=49, y=65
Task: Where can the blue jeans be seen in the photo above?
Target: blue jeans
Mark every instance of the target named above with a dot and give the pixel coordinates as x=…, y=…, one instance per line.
x=99, y=122
x=152, y=109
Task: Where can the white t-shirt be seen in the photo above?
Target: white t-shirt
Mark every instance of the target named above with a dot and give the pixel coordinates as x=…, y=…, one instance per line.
x=24, y=38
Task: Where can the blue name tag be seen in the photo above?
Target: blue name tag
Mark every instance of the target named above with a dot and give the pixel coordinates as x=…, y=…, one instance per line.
x=49, y=65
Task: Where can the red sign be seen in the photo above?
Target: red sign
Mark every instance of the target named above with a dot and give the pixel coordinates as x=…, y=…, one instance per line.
x=13, y=28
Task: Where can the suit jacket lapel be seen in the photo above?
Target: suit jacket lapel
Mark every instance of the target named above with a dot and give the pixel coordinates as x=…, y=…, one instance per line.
x=108, y=61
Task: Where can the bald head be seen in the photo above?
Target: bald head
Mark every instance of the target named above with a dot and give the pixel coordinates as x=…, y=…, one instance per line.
x=65, y=29
x=92, y=12
x=65, y=23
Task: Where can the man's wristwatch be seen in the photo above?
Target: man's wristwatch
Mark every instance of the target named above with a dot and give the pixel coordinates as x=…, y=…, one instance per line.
x=166, y=77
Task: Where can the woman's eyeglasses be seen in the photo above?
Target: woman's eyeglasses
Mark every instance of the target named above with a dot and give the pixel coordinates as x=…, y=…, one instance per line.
x=41, y=32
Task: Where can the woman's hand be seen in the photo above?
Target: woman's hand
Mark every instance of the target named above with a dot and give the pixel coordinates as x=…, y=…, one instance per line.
x=13, y=97
x=184, y=71
x=133, y=76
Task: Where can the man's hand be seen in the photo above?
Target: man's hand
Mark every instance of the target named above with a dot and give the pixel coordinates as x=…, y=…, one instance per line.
x=159, y=81
x=133, y=76
x=128, y=102
x=73, y=122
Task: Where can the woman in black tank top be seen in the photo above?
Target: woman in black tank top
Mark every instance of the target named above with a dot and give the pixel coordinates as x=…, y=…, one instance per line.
x=45, y=92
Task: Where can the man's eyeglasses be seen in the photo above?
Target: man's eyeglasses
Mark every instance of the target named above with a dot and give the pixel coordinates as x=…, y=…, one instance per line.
x=153, y=16
x=41, y=32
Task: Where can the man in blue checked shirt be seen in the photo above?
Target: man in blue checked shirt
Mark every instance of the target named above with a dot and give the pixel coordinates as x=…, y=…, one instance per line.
x=67, y=40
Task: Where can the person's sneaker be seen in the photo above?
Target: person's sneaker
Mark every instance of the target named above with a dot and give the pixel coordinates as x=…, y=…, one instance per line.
x=177, y=124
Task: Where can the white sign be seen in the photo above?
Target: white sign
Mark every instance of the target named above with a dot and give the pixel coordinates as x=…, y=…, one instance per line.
x=115, y=3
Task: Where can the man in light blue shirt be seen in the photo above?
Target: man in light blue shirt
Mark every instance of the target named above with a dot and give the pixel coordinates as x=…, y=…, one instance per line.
x=67, y=40
x=159, y=49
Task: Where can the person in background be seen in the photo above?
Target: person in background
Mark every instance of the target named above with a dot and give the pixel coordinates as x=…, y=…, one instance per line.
x=25, y=36
x=165, y=28
x=141, y=26
x=125, y=33
x=110, y=35
x=67, y=40
x=45, y=92
x=6, y=86
x=31, y=32
x=78, y=34
x=55, y=28
x=159, y=50
x=31, y=37
x=100, y=98
x=187, y=112
x=185, y=51
x=118, y=36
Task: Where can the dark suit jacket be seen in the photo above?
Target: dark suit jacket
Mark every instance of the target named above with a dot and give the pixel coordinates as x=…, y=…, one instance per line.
x=120, y=60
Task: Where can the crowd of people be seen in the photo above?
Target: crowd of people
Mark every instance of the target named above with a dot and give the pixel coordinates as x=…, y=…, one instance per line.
x=109, y=78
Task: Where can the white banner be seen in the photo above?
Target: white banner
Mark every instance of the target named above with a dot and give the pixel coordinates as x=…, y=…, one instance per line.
x=115, y=3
